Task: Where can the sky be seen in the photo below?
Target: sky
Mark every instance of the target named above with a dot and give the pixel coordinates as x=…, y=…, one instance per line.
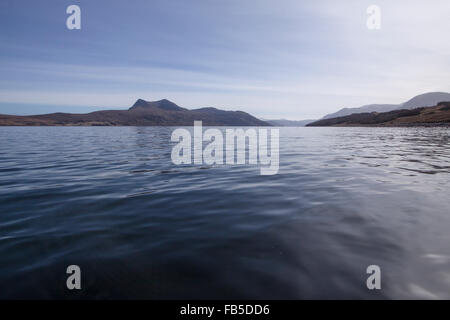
x=286, y=59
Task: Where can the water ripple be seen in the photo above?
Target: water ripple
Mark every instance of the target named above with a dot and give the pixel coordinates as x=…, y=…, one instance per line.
x=111, y=201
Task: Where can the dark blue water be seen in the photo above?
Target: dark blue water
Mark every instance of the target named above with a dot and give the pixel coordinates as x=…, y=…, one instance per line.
x=111, y=201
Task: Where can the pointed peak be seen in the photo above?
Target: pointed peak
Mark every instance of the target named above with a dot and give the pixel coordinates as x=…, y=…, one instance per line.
x=139, y=103
x=163, y=104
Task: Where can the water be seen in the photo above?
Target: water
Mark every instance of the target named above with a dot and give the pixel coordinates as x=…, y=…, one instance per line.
x=111, y=201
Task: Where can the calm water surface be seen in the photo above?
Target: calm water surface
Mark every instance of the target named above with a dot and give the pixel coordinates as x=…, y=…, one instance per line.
x=111, y=201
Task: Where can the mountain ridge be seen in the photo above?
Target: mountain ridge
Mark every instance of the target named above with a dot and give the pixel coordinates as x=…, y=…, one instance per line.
x=438, y=115
x=163, y=104
x=142, y=113
x=421, y=100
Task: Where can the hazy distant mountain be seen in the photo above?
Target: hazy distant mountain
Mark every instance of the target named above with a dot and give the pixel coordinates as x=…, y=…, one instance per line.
x=368, y=108
x=424, y=116
x=289, y=123
x=423, y=100
x=142, y=113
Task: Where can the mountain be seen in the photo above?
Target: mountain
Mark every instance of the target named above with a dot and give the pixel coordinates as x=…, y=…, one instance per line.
x=438, y=115
x=368, y=108
x=163, y=104
x=423, y=100
x=142, y=113
x=288, y=123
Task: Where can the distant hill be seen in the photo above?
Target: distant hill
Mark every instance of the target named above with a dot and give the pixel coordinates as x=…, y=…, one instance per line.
x=163, y=104
x=426, y=99
x=288, y=123
x=142, y=113
x=438, y=115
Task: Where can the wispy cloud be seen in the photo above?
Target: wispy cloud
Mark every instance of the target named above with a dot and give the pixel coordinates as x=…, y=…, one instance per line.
x=284, y=59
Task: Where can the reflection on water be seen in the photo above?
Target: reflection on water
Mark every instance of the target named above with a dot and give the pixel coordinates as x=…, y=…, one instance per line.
x=110, y=201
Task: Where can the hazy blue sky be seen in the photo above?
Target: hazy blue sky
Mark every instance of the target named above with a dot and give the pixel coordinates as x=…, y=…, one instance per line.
x=274, y=59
